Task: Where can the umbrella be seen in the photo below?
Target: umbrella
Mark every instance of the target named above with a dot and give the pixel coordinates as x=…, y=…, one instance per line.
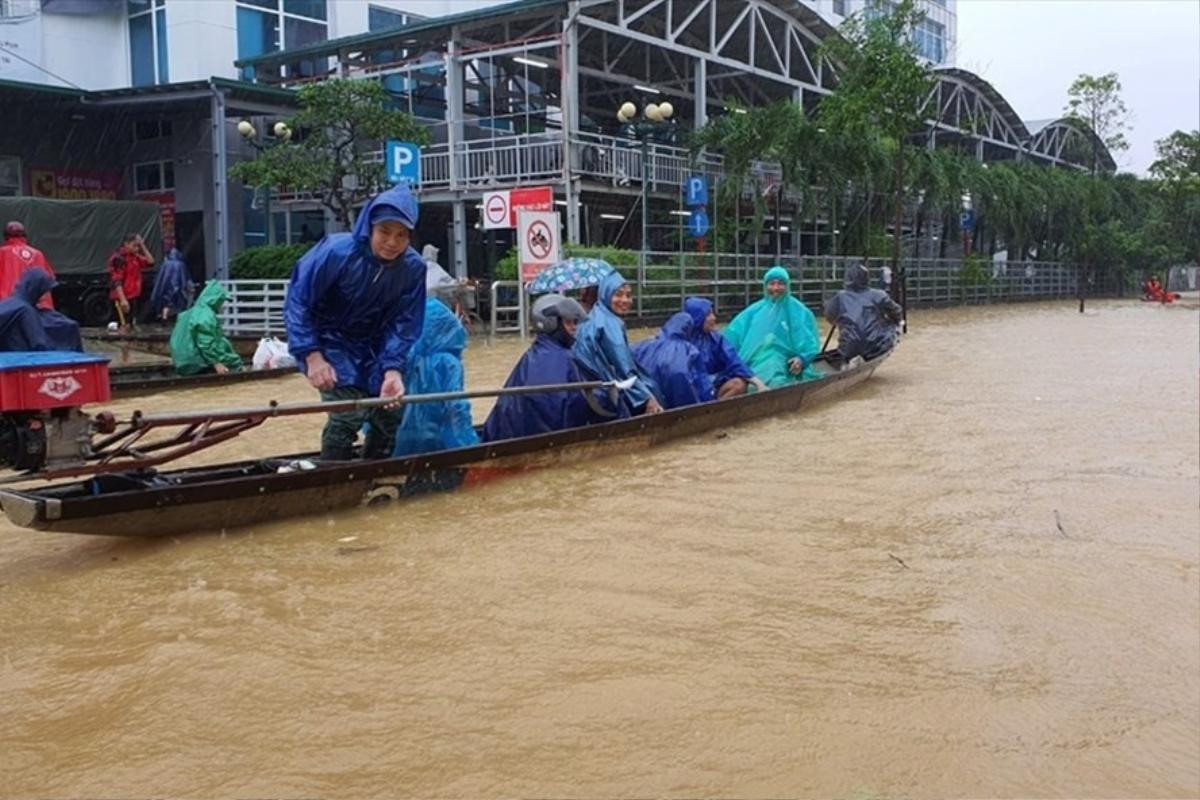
x=571, y=273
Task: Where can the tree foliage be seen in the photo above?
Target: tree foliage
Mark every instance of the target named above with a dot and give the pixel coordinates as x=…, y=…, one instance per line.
x=1096, y=101
x=339, y=125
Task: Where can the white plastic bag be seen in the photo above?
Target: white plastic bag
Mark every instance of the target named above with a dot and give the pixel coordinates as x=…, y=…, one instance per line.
x=272, y=354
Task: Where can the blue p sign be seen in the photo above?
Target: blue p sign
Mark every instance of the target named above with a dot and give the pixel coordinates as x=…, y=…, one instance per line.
x=696, y=189
x=403, y=162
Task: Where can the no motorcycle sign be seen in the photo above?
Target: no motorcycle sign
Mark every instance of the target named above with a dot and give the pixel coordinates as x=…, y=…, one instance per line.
x=538, y=233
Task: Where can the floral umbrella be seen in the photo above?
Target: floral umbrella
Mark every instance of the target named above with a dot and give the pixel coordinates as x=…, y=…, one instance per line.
x=571, y=273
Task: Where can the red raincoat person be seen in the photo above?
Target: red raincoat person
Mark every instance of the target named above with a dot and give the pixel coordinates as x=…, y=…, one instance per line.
x=17, y=256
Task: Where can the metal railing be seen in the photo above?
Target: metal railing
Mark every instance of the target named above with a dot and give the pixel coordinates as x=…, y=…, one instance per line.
x=254, y=307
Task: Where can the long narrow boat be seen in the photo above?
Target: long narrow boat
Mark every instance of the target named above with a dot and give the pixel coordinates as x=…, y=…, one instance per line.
x=154, y=503
x=159, y=342
x=134, y=379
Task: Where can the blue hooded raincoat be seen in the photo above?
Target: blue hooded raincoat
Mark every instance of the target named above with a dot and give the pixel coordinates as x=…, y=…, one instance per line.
x=547, y=361
x=675, y=365
x=435, y=365
x=717, y=356
x=171, y=285
x=361, y=314
x=25, y=327
x=602, y=347
x=770, y=332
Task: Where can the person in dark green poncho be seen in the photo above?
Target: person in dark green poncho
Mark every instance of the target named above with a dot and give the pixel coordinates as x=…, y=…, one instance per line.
x=198, y=343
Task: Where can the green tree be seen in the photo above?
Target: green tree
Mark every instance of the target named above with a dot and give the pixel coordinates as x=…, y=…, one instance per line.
x=339, y=126
x=883, y=88
x=1175, y=220
x=1096, y=101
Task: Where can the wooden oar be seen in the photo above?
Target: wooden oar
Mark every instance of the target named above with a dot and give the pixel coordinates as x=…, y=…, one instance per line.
x=825, y=347
x=275, y=409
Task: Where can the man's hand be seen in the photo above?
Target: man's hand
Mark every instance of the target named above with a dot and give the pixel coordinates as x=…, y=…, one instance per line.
x=653, y=407
x=220, y=368
x=321, y=375
x=796, y=365
x=759, y=384
x=393, y=386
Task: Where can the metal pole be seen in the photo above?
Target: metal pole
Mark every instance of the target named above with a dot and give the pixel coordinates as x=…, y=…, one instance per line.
x=220, y=185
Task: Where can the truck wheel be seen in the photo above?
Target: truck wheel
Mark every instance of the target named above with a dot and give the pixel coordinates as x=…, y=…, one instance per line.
x=95, y=309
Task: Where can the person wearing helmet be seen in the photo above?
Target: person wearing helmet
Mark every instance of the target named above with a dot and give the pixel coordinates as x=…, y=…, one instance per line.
x=17, y=256
x=548, y=361
x=355, y=307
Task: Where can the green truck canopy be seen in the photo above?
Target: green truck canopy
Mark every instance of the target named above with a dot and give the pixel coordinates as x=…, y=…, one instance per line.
x=78, y=236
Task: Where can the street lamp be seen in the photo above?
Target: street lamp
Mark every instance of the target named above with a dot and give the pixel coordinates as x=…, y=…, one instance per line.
x=249, y=133
x=657, y=122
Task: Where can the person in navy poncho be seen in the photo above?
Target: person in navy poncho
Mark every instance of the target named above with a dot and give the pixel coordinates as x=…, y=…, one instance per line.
x=435, y=366
x=355, y=306
x=548, y=361
x=172, y=292
x=674, y=364
x=725, y=368
x=25, y=327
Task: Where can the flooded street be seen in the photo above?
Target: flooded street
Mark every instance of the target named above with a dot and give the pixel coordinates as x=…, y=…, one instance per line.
x=977, y=575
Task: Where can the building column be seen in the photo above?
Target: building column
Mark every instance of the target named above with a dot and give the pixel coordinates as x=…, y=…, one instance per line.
x=454, y=138
x=700, y=89
x=459, y=241
x=569, y=102
x=220, y=182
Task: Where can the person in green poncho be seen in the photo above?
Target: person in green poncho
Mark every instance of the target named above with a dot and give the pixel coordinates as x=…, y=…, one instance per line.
x=777, y=336
x=197, y=342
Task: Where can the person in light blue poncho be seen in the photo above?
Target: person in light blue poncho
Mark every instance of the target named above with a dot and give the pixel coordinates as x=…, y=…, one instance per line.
x=602, y=346
x=674, y=364
x=435, y=365
x=777, y=336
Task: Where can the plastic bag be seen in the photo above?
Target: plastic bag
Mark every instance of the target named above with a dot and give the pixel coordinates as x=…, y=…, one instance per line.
x=272, y=354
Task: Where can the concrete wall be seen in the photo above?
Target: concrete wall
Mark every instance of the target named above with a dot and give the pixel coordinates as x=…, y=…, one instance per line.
x=201, y=39
x=89, y=51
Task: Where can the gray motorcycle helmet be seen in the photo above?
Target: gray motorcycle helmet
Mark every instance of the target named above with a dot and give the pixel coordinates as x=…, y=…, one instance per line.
x=549, y=309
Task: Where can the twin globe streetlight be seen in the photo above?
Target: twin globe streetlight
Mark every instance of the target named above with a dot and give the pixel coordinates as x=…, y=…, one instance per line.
x=247, y=131
x=655, y=112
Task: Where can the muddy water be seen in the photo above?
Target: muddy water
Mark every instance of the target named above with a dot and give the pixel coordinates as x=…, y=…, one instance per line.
x=868, y=599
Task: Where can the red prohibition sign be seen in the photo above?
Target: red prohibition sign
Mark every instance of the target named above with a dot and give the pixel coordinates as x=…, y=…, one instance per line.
x=540, y=240
x=496, y=209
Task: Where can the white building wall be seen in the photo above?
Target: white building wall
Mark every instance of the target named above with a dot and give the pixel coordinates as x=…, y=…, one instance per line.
x=89, y=51
x=201, y=39
x=945, y=14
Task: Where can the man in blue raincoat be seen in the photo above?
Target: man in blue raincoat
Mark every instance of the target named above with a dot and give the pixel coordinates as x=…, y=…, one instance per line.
x=549, y=361
x=355, y=306
x=172, y=292
x=25, y=327
x=729, y=374
x=674, y=364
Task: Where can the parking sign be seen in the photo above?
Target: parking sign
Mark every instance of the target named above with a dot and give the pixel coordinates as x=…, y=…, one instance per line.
x=403, y=162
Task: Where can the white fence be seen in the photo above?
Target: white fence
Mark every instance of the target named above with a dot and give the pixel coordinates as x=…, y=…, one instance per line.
x=731, y=281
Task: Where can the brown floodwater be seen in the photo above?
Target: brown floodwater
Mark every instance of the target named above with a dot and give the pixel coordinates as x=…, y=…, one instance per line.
x=872, y=598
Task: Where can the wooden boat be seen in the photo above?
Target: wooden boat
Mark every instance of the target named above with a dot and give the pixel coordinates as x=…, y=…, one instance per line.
x=154, y=503
x=158, y=342
x=135, y=379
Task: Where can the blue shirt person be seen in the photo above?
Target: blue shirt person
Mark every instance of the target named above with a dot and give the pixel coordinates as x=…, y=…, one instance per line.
x=602, y=346
x=674, y=364
x=777, y=336
x=728, y=373
x=435, y=366
x=549, y=361
x=172, y=292
x=355, y=307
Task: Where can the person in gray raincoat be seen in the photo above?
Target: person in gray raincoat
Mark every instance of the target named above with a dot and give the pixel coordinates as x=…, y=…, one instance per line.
x=866, y=318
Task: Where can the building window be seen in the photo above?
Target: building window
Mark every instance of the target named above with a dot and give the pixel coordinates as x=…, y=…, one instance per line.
x=266, y=26
x=153, y=176
x=385, y=19
x=147, y=42
x=839, y=7
x=146, y=130
x=930, y=40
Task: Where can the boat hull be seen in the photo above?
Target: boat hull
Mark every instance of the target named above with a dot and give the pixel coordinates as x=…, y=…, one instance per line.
x=159, y=342
x=132, y=380
x=246, y=493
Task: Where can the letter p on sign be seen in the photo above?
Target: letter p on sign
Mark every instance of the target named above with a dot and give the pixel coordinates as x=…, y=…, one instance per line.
x=403, y=162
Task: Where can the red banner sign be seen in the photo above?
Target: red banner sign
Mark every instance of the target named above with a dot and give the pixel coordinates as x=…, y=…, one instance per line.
x=533, y=198
x=74, y=184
